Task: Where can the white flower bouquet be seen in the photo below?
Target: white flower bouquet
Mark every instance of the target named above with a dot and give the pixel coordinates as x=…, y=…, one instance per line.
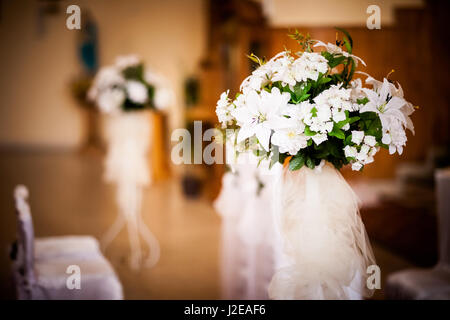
x=129, y=86
x=306, y=107
x=125, y=93
x=307, y=112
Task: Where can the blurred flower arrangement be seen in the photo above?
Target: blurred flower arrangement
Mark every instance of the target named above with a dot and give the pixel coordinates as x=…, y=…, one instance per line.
x=306, y=107
x=129, y=86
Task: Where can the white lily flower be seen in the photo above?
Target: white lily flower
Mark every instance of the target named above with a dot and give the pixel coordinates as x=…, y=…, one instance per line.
x=384, y=104
x=407, y=109
x=386, y=138
x=388, y=103
x=261, y=113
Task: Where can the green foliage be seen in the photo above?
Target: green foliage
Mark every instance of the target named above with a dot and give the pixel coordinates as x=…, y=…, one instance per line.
x=256, y=59
x=371, y=125
x=362, y=101
x=337, y=132
x=303, y=40
x=297, y=162
x=134, y=73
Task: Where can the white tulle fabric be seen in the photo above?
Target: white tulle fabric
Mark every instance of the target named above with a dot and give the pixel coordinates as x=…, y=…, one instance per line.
x=325, y=246
x=128, y=136
x=249, y=243
x=128, y=139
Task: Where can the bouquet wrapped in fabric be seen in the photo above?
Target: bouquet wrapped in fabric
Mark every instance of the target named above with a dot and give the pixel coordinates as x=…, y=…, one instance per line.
x=307, y=111
x=128, y=85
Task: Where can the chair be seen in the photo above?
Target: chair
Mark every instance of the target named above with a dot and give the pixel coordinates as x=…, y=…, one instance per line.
x=41, y=266
x=434, y=283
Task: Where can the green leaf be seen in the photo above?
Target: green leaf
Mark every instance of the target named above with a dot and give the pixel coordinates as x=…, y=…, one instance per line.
x=345, y=32
x=342, y=123
x=322, y=154
x=352, y=70
x=369, y=115
x=337, y=132
x=304, y=97
x=347, y=45
x=362, y=101
x=333, y=62
x=327, y=55
x=323, y=80
x=310, y=163
x=297, y=162
x=375, y=129
x=308, y=132
x=334, y=151
x=353, y=119
x=348, y=139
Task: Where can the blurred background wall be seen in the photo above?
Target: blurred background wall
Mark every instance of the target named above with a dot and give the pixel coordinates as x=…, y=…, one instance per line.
x=39, y=59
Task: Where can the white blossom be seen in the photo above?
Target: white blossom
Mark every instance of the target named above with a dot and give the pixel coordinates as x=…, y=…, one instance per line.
x=283, y=70
x=137, y=92
x=370, y=140
x=223, y=109
x=261, y=113
x=357, y=136
x=110, y=100
x=319, y=138
x=363, y=152
x=308, y=66
x=350, y=151
x=290, y=140
x=388, y=102
x=356, y=166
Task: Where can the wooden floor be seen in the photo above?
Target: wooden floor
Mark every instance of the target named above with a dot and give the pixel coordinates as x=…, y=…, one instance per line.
x=67, y=196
